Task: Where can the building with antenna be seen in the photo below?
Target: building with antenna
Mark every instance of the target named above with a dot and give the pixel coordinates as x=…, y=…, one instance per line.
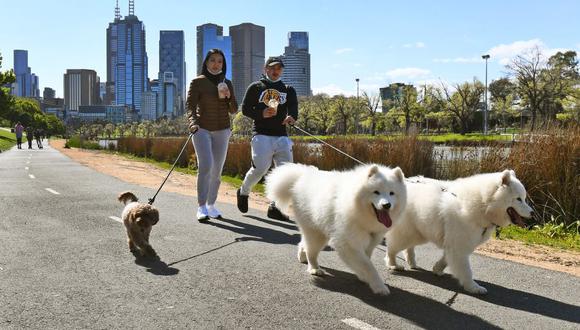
x=127, y=62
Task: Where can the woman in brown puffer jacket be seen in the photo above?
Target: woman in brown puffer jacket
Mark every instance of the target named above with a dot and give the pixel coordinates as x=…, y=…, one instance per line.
x=210, y=102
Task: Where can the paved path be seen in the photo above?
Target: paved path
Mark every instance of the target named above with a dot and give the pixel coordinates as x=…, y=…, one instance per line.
x=64, y=264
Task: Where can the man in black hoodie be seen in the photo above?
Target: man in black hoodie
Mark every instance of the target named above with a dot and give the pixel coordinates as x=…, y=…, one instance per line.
x=272, y=105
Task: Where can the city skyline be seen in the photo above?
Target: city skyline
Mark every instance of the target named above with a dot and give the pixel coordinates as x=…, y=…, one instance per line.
x=390, y=43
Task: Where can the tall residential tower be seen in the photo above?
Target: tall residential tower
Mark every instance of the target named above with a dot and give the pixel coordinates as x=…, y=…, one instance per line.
x=211, y=36
x=126, y=60
x=297, y=63
x=248, y=54
x=172, y=64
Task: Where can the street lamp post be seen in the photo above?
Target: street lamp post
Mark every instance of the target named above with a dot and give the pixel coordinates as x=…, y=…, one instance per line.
x=485, y=57
x=357, y=105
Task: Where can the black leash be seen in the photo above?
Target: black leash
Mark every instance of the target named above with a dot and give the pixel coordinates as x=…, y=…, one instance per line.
x=151, y=200
x=319, y=140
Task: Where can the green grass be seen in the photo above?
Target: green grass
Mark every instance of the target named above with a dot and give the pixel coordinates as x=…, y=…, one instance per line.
x=7, y=140
x=441, y=138
x=470, y=137
x=544, y=235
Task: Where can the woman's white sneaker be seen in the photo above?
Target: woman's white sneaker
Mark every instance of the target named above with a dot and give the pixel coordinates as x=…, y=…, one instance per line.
x=213, y=212
x=202, y=214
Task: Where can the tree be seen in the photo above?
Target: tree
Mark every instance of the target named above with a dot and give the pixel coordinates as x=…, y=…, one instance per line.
x=371, y=104
x=503, y=95
x=432, y=108
x=543, y=85
x=6, y=100
x=526, y=69
x=322, y=113
x=242, y=125
x=561, y=77
x=341, y=110
x=407, y=104
x=464, y=102
x=306, y=113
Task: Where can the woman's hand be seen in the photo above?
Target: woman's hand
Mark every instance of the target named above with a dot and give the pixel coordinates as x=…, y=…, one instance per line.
x=193, y=128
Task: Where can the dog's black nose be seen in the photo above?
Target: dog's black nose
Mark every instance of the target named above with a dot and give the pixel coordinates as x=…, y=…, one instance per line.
x=387, y=206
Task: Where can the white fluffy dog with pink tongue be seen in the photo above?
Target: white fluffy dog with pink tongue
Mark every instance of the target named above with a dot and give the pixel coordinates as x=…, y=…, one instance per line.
x=457, y=216
x=350, y=211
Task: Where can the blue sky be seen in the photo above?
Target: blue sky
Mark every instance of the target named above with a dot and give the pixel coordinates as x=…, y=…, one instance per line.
x=379, y=42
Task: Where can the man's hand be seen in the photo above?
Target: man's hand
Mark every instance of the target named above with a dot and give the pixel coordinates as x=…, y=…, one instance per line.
x=288, y=121
x=269, y=112
x=193, y=128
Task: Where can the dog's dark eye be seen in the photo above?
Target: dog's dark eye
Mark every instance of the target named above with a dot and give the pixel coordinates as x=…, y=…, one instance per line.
x=377, y=192
x=519, y=199
x=391, y=193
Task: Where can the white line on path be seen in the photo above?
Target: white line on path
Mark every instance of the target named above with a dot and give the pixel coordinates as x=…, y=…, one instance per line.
x=52, y=191
x=116, y=219
x=26, y=168
x=358, y=324
x=28, y=162
x=32, y=176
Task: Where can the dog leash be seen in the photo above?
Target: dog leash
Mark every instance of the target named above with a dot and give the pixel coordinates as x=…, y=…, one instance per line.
x=329, y=145
x=151, y=200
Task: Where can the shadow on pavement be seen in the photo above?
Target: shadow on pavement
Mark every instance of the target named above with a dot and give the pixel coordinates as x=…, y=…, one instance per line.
x=239, y=239
x=256, y=232
x=421, y=311
x=283, y=224
x=503, y=296
x=155, y=266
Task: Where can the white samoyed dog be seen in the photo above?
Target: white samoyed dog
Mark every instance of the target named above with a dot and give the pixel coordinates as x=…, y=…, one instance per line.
x=351, y=211
x=457, y=216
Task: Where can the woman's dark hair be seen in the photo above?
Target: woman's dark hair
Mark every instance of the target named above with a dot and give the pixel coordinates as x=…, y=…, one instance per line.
x=204, y=70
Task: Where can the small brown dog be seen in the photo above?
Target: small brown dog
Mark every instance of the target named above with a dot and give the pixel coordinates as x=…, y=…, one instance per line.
x=138, y=218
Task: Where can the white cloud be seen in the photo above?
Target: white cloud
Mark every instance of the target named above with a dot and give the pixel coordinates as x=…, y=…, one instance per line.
x=409, y=73
x=505, y=53
x=343, y=50
x=417, y=44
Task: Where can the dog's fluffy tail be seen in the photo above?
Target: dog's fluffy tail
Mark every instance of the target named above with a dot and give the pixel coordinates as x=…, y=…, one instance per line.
x=281, y=180
x=127, y=197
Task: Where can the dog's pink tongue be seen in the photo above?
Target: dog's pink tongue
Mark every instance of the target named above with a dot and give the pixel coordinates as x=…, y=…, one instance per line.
x=384, y=218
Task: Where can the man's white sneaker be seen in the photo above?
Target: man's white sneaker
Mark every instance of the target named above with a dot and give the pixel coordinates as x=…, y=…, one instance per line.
x=213, y=212
x=202, y=214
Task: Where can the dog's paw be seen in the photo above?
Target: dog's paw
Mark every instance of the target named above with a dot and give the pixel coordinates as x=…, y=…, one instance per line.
x=396, y=268
x=438, y=269
x=302, y=256
x=315, y=271
x=475, y=288
x=380, y=289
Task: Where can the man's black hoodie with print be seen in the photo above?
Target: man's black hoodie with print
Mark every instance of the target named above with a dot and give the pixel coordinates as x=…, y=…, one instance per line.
x=258, y=95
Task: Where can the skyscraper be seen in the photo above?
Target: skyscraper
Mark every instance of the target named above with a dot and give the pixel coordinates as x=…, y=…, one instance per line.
x=248, y=54
x=211, y=36
x=172, y=60
x=26, y=84
x=297, y=63
x=126, y=59
x=81, y=87
x=166, y=96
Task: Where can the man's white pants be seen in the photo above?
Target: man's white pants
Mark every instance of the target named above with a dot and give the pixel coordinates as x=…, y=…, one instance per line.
x=266, y=149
